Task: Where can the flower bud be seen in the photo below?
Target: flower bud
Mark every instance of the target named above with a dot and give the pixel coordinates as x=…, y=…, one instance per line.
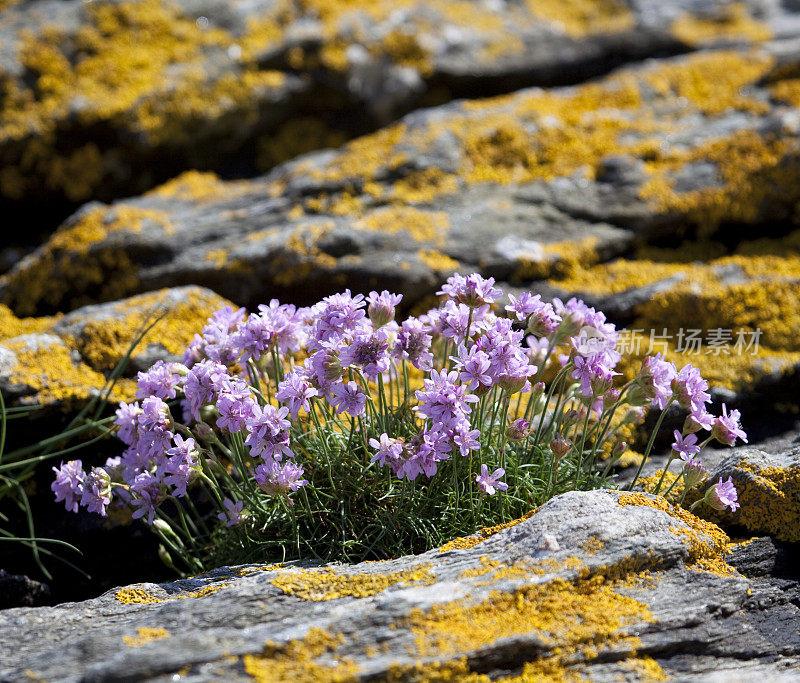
x=693, y=472
x=633, y=416
x=180, y=369
x=560, y=446
x=570, y=418
x=209, y=413
x=380, y=313
x=203, y=431
x=619, y=449
x=518, y=429
x=538, y=391
x=512, y=384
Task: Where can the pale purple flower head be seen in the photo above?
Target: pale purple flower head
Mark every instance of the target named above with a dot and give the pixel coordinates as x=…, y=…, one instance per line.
x=489, y=484
x=690, y=389
x=382, y=306
x=233, y=512
x=722, y=495
x=268, y=433
x=685, y=446
x=296, y=390
x=518, y=429
x=655, y=380
x=68, y=485
x=285, y=326
x=541, y=316
x=387, y=451
x=414, y=343
x=425, y=451
x=368, y=350
x=458, y=322
x=220, y=344
x=466, y=439
x=96, y=494
x=335, y=316
x=235, y=405
x=726, y=427
x=474, y=367
x=348, y=398
x=279, y=479
x=444, y=400
x=203, y=384
x=324, y=367
x=147, y=496
x=472, y=290
x=182, y=464
x=127, y=422
x=699, y=418
x=161, y=380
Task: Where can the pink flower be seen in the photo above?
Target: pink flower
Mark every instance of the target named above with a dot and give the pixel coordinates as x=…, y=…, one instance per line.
x=490, y=484
x=233, y=512
x=726, y=427
x=722, y=495
x=685, y=446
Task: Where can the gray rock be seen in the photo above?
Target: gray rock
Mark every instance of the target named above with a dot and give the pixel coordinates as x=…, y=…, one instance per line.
x=620, y=593
x=237, y=74
x=517, y=187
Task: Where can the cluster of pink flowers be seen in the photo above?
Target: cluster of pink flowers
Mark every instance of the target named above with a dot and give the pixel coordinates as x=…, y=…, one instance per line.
x=250, y=383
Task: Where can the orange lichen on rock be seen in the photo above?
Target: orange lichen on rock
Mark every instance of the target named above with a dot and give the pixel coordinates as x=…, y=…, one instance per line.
x=139, y=596
x=328, y=584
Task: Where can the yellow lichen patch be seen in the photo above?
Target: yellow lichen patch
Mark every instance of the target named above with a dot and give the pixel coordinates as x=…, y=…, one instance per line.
x=53, y=373
x=145, y=635
x=139, y=596
x=582, y=17
x=103, y=343
x=750, y=172
x=787, y=91
x=424, y=186
x=437, y=261
x=421, y=225
x=135, y=596
x=579, y=618
x=296, y=661
x=707, y=543
x=12, y=326
x=712, y=82
x=197, y=186
x=592, y=545
x=327, y=584
x=462, y=543
x=249, y=571
x=733, y=21
x=557, y=259
x=76, y=253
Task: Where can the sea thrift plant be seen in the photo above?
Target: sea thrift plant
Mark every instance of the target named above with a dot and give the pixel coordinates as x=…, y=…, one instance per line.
x=335, y=431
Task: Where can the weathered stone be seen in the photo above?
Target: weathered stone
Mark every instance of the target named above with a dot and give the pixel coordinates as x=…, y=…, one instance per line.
x=521, y=187
x=597, y=585
x=66, y=359
x=20, y=591
x=109, y=97
x=768, y=485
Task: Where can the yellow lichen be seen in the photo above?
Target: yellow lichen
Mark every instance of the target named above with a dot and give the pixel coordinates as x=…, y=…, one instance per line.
x=733, y=21
x=327, y=584
x=770, y=500
x=139, y=596
x=462, y=543
x=296, y=661
x=584, y=617
x=145, y=635
x=707, y=543
x=421, y=225
x=197, y=186
x=582, y=17
x=437, y=261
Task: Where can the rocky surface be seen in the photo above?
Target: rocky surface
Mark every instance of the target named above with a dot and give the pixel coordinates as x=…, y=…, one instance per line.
x=541, y=188
x=601, y=585
x=110, y=97
x=64, y=360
